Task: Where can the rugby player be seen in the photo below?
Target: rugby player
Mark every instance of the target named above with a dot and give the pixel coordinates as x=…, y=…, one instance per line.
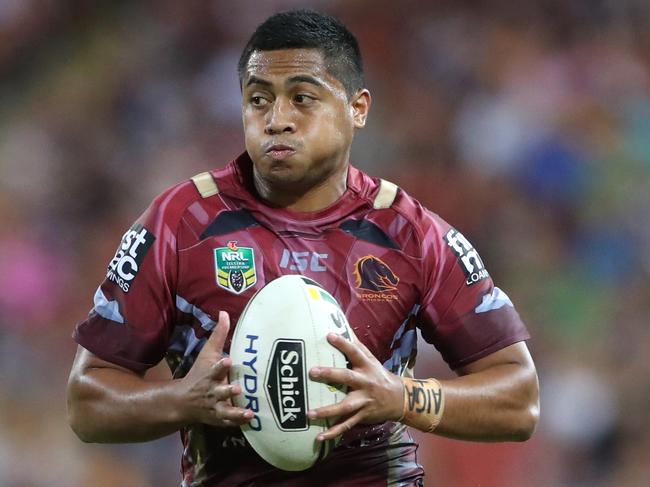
x=293, y=203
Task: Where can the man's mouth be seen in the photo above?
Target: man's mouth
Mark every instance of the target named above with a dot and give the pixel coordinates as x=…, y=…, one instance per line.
x=280, y=151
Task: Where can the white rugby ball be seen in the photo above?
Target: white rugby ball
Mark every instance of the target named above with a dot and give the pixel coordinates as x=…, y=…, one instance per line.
x=280, y=336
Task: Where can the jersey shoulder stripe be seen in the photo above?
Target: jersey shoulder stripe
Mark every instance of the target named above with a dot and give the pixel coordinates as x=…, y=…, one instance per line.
x=385, y=196
x=205, y=184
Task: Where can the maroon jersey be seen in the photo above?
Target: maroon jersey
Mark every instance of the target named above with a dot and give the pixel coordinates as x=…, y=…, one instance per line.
x=209, y=243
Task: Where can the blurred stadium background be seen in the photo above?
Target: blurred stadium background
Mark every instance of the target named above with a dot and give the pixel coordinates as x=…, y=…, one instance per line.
x=525, y=124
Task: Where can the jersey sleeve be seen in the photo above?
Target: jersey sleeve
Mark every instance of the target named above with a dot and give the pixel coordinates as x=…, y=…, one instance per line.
x=463, y=314
x=133, y=313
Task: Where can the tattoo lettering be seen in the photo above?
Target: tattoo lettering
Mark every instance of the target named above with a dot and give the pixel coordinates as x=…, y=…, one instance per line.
x=423, y=395
x=424, y=402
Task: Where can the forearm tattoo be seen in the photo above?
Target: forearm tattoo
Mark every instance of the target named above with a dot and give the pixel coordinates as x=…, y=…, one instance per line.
x=424, y=404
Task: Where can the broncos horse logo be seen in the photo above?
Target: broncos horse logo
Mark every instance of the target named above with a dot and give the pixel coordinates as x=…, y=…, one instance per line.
x=374, y=274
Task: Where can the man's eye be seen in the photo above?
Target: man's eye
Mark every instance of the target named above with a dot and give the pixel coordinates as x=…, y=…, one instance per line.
x=258, y=101
x=303, y=99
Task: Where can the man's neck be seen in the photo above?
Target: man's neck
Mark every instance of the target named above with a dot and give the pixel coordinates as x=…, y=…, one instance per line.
x=313, y=199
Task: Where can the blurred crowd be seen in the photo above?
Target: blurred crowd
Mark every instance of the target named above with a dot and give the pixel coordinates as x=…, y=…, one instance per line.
x=524, y=124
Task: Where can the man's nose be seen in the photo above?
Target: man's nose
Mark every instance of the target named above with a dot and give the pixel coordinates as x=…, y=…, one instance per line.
x=280, y=118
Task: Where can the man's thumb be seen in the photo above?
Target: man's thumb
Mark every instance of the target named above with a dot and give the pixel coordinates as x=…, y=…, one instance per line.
x=217, y=339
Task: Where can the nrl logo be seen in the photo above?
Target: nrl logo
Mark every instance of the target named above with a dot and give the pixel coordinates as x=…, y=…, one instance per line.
x=235, y=267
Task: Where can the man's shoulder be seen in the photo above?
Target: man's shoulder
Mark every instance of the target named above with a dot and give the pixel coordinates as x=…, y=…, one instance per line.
x=389, y=201
x=399, y=215
x=201, y=190
x=420, y=216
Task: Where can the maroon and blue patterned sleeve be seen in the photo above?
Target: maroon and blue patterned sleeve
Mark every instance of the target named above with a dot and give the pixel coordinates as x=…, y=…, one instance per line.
x=463, y=314
x=131, y=320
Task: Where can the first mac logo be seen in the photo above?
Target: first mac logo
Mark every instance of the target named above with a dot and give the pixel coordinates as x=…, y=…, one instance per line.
x=126, y=263
x=468, y=257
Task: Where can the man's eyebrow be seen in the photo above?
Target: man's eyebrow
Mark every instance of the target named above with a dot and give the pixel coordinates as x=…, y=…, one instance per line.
x=299, y=78
x=254, y=80
x=303, y=78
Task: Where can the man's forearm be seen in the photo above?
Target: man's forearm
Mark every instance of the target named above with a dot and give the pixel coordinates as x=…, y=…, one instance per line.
x=107, y=405
x=497, y=404
x=495, y=398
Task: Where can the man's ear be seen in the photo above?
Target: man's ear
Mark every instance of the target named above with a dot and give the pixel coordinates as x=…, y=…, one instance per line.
x=360, y=106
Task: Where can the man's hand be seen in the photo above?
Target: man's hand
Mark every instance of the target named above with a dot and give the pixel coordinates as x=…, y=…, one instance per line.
x=108, y=403
x=374, y=394
x=206, y=391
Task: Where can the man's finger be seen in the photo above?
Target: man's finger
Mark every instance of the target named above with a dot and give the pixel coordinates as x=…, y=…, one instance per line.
x=332, y=375
x=216, y=341
x=225, y=415
x=219, y=370
x=224, y=392
x=363, y=348
x=340, y=428
x=348, y=406
x=350, y=349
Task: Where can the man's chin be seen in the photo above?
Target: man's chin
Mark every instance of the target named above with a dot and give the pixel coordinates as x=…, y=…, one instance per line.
x=284, y=179
x=281, y=171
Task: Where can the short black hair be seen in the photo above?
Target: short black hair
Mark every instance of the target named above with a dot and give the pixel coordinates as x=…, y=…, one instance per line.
x=309, y=29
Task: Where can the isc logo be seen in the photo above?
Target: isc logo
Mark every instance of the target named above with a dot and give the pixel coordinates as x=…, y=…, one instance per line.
x=285, y=385
x=471, y=262
x=126, y=262
x=301, y=261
